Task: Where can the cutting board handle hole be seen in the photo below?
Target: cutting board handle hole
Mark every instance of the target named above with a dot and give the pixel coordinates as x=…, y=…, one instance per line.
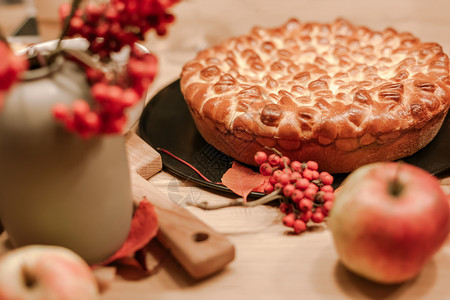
x=200, y=236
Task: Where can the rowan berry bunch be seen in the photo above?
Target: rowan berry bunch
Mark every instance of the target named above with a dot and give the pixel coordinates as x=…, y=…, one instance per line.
x=112, y=95
x=11, y=66
x=109, y=27
x=307, y=193
x=113, y=25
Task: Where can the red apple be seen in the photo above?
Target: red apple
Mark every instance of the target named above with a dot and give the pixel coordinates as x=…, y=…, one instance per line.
x=388, y=220
x=46, y=272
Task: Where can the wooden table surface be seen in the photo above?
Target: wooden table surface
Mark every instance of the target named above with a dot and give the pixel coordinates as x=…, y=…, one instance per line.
x=269, y=262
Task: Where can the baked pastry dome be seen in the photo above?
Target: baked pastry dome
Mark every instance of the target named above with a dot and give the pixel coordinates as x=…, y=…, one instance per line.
x=339, y=94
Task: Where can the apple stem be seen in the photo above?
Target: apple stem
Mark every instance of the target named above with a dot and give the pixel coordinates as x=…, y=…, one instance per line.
x=29, y=279
x=396, y=187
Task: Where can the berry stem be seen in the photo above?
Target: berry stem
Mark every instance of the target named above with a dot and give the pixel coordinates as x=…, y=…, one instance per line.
x=238, y=202
x=86, y=59
x=274, y=150
x=74, y=7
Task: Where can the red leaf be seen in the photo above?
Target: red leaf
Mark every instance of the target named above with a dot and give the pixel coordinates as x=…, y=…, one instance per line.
x=260, y=188
x=242, y=180
x=144, y=227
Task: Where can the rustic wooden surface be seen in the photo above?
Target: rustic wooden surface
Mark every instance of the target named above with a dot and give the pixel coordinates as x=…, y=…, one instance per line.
x=269, y=262
x=201, y=250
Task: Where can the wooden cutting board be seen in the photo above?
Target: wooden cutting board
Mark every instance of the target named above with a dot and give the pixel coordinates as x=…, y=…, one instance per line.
x=197, y=247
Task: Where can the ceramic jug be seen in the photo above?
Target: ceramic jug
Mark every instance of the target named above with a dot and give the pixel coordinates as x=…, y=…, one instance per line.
x=56, y=187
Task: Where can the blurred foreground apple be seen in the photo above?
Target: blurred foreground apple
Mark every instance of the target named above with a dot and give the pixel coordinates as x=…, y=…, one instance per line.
x=388, y=220
x=46, y=272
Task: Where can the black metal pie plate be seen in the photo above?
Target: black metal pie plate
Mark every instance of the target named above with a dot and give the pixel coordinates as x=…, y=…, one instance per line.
x=166, y=123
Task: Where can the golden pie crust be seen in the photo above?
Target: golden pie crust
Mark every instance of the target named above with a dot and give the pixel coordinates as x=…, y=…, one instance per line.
x=339, y=94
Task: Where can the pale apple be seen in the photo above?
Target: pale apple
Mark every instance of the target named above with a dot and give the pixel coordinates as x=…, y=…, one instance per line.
x=46, y=272
x=388, y=220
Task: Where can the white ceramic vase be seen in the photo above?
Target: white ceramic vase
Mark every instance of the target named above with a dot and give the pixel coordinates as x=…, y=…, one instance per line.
x=55, y=187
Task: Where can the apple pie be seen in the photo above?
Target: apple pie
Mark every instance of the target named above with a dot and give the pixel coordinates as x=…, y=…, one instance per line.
x=336, y=93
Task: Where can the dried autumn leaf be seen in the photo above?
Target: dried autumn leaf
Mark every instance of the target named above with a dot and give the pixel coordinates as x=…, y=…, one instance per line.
x=242, y=180
x=144, y=227
x=260, y=188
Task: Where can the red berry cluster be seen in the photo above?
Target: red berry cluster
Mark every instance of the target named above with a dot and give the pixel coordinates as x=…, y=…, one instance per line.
x=112, y=96
x=11, y=66
x=307, y=193
x=110, y=26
